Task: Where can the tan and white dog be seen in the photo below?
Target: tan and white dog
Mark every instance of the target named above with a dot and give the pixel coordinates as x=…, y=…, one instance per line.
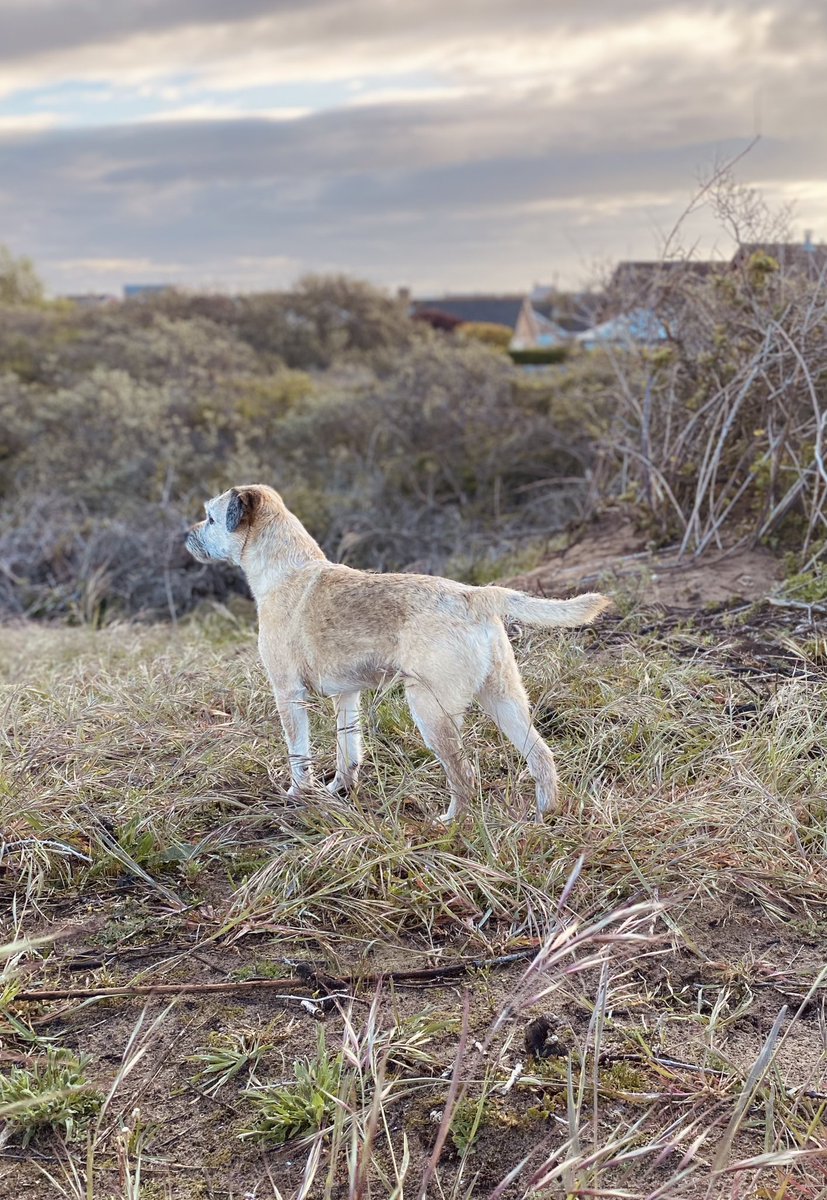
x=329, y=629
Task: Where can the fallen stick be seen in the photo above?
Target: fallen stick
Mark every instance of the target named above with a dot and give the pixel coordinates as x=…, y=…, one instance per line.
x=310, y=981
x=159, y=989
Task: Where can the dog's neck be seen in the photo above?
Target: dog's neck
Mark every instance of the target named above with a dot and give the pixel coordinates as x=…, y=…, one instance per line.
x=280, y=546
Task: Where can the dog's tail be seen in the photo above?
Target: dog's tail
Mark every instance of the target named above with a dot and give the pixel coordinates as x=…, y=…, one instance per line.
x=501, y=602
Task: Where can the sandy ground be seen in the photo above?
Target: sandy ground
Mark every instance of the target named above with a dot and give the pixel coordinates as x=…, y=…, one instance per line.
x=612, y=553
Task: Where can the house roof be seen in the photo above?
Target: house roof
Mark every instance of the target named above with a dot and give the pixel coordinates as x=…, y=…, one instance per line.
x=544, y=321
x=656, y=272
x=569, y=319
x=639, y=325
x=798, y=256
x=500, y=310
x=133, y=291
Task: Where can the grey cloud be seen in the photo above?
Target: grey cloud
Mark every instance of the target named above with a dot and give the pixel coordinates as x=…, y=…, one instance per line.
x=29, y=31
x=376, y=191
x=34, y=29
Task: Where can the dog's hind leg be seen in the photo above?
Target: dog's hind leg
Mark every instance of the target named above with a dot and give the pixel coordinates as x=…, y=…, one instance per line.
x=348, y=742
x=503, y=697
x=441, y=731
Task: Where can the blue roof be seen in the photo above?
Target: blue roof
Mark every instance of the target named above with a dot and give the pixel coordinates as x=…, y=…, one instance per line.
x=639, y=325
x=131, y=290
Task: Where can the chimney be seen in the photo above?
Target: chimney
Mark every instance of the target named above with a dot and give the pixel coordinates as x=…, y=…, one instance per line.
x=808, y=241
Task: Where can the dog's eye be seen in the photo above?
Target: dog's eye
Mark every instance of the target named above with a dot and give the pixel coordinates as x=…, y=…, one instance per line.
x=210, y=520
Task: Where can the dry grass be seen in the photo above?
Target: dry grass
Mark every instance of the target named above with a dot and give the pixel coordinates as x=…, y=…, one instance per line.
x=676, y=905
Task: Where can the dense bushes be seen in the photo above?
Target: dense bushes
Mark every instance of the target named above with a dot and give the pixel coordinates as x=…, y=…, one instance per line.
x=323, y=319
x=408, y=448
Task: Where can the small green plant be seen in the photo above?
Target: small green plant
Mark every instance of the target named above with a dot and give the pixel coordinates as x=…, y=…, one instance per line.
x=51, y=1094
x=549, y=1105
x=302, y=1106
x=466, y=1124
x=227, y=1055
x=807, y=587
x=406, y=1043
x=260, y=969
x=621, y=1077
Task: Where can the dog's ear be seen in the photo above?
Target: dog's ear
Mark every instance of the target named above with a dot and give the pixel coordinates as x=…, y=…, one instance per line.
x=241, y=508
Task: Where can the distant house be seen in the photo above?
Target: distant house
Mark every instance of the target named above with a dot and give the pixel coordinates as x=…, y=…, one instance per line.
x=637, y=276
x=657, y=286
x=543, y=319
x=534, y=330
x=654, y=282
x=643, y=299
x=549, y=318
x=802, y=258
x=138, y=291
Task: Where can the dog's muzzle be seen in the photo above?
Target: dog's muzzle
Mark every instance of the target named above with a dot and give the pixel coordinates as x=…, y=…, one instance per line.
x=194, y=545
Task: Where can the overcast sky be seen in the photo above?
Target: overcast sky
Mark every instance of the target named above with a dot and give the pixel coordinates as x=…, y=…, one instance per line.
x=468, y=144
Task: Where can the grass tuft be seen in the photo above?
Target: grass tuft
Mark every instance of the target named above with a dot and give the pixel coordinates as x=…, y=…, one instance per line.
x=53, y=1094
x=301, y=1106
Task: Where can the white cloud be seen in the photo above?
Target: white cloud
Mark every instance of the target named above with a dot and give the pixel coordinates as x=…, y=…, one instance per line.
x=28, y=123
x=218, y=112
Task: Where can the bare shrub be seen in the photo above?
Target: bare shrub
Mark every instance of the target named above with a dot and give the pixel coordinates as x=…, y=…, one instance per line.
x=719, y=428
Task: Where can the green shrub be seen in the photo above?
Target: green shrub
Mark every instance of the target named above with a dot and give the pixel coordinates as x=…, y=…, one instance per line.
x=19, y=282
x=53, y=1094
x=488, y=332
x=467, y=1123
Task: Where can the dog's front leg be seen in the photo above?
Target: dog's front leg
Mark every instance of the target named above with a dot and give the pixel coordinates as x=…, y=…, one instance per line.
x=296, y=725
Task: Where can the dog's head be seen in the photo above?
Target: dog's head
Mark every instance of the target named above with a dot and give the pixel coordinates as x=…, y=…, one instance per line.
x=231, y=520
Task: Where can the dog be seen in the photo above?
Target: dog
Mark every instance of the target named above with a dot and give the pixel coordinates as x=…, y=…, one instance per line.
x=332, y=630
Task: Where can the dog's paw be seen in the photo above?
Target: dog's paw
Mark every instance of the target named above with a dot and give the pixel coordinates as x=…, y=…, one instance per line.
x=340, y=786
x=449, y=818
